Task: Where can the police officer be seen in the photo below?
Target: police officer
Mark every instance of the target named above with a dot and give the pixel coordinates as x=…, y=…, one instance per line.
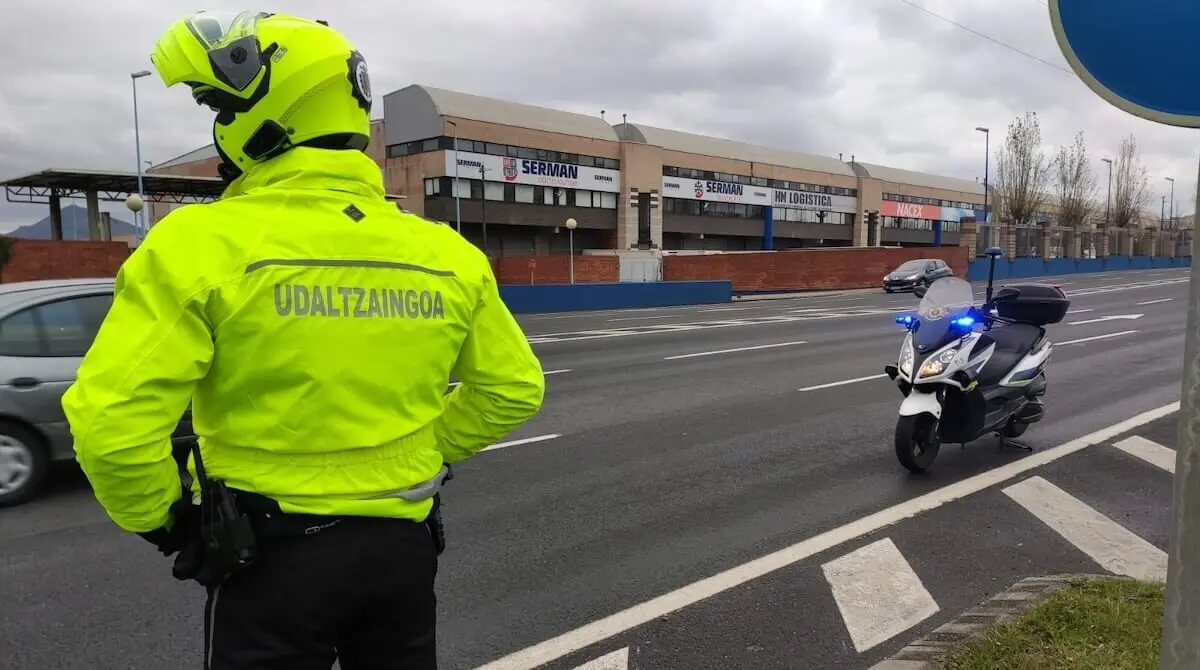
x=314, y=327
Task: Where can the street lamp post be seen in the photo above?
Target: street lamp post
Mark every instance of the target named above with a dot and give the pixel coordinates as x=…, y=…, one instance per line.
x=1172, y=180
x=139, y=218
x=457, y=199
x=987, y=161
x=571, y=223
x=483, y=206
x=1108, y=207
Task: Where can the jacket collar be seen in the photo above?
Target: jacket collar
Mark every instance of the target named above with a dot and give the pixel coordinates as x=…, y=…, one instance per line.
x=305, y=168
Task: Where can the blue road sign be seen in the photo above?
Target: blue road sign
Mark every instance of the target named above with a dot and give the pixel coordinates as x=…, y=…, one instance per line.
x=1143, y=56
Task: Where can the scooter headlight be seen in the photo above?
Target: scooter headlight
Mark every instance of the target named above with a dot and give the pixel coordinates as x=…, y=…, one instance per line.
x=906, y=358
x=936, y=365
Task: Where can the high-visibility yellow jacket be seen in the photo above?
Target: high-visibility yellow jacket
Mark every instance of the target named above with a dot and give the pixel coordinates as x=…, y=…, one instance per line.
x=315, y=328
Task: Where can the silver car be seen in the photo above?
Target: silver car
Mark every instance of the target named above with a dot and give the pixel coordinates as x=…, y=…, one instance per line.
x=45, y=329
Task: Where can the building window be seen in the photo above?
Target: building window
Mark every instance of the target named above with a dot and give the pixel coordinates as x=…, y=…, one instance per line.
x=583, y=198
x=523, y=193
x=812, y=216
x=494, y=190
x=608, y=200
x=431, y=187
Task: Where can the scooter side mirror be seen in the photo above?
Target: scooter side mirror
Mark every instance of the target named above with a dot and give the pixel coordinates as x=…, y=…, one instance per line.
x=919, y=291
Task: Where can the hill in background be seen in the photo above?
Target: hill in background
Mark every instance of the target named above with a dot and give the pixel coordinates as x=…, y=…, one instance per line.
x=74, y=220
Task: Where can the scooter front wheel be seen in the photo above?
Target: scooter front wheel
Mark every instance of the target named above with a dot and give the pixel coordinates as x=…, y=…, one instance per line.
x=917, y=442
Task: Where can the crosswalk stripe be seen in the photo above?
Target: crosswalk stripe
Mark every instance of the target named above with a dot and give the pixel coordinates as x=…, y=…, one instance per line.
x=1149, y=451
x=617, y=660
x=877, y=593
x=1110, y=544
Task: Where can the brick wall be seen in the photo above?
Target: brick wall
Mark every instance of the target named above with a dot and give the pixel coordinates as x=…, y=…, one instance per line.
x=556, y=269
x=46, y=259
x=806, y=269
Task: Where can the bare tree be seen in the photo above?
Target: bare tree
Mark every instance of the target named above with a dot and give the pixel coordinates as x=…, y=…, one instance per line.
x=1075, y=183
x=1131, y=186
x=1022, y=172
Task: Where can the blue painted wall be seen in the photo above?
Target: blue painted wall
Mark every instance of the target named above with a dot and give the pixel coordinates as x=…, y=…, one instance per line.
x=534, y=298
x=1018, y=268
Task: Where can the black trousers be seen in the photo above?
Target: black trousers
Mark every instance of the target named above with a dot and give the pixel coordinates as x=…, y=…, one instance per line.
x=359, y=591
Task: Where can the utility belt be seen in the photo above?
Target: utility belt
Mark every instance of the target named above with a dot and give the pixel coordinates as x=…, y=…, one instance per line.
x=229, y=524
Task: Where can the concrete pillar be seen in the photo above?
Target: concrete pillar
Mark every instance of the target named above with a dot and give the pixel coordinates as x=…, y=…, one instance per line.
x=1009, y=235
x=1102, y=239
x=1047, y=241
x=106, y=226
x=630, y=204
x=1075, y=248
x=56, y=231
x=968, y=235
x=93, y=215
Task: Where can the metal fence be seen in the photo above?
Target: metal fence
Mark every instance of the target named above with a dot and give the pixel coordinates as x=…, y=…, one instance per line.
x=1037, y=241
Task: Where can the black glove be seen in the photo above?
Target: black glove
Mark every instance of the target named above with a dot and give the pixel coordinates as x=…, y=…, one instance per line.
x=181, y=531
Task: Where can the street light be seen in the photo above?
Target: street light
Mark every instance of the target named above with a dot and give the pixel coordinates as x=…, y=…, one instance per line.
x=457, y=200
x=137, y=143
x=1172, y=180
x=571, y=223
x=1108, y=199
x=987, y=137
x=483, y=206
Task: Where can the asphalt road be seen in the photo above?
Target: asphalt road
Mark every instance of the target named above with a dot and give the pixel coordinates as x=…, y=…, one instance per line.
x=675, y=443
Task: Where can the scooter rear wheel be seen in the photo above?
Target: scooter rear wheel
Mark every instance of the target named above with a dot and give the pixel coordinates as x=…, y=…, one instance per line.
x=917, y=442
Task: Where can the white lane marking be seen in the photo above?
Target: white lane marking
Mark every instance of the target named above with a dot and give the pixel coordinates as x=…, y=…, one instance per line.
x=730, y=309
x=615, y=624
x=877, y=593
x=617, y=660
x=1114, y=547
x=1111, y=317
x=1096, y=337
x=642, y=318
x=842, y=383
x=1081, y=311
x=1154, y=302
x=732, y=351
x=544, y=374
x=1149, y=451
x=527, y=440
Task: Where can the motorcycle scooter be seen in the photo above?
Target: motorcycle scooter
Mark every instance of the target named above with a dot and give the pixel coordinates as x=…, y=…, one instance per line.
x=966, y=371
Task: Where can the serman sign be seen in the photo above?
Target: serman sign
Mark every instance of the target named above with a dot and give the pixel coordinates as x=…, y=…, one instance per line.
x=533, y=172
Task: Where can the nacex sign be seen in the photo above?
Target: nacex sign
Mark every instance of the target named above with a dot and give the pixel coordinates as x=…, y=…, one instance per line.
x=910, y=210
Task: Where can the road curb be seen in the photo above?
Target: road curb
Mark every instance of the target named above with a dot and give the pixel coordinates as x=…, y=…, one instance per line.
x=927, y=652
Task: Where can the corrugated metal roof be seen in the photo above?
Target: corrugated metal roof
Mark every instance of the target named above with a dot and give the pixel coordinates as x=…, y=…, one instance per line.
x=913, y=178
x=203, y=153
x=675, y=140
x=504, y=112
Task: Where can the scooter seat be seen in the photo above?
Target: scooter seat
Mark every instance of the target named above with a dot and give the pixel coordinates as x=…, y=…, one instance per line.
x=1013, y=342
x=1015, y=338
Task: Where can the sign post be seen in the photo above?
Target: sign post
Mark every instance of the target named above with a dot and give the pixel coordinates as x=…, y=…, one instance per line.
x=532, y=265
x=1142, y=56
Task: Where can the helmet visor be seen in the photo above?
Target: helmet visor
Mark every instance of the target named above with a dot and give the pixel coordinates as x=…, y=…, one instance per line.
x=231, y=42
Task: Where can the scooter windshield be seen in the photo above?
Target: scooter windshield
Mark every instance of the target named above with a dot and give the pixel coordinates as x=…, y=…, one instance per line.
x=944, y=313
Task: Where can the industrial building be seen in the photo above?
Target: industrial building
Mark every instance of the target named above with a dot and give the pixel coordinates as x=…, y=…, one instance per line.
x=522, y=171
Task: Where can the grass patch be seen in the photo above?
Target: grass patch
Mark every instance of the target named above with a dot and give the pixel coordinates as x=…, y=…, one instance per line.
x=1093, y=624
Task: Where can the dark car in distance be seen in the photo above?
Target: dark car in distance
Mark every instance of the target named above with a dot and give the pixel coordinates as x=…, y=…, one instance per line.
x=917, y=272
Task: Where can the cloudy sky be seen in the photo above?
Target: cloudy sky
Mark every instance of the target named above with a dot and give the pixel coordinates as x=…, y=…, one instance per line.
x=879, y=79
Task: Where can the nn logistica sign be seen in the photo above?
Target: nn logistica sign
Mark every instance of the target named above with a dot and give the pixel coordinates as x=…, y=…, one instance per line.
x=742, y=194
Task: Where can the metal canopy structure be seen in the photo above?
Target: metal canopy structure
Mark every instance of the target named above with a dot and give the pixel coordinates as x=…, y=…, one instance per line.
x=42, y=187
x=49, y=187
